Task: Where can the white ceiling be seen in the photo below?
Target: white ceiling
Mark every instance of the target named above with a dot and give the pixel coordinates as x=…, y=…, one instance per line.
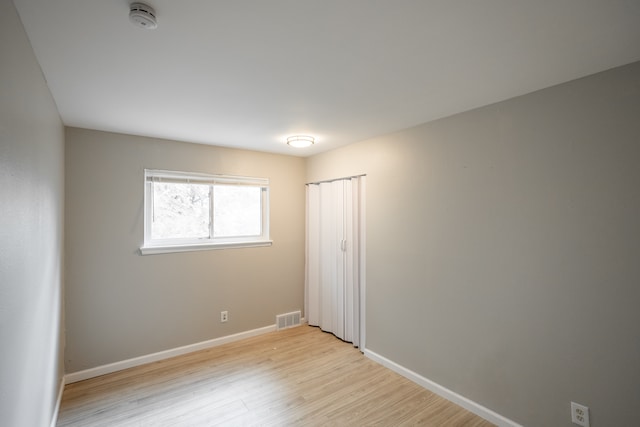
x=248, y=73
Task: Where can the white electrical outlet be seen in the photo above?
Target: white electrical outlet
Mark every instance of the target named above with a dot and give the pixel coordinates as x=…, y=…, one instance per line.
x=579, y=414
x=224, y=316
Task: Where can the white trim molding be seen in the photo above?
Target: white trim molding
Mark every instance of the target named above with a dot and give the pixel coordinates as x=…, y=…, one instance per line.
x=56, y=409
x=168, y=249
x=166, y=354
x=444, y=392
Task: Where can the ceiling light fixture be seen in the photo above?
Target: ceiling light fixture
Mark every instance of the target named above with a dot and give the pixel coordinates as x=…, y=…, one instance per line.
x=143, y=16
x=300, y=141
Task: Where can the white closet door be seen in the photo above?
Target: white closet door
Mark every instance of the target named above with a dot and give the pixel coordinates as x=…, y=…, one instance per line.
x=350, y=262
x=332, y=297
x=329, y=253
x=312, y=268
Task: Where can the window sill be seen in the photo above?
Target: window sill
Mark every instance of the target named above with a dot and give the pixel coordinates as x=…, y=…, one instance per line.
x=166, y=249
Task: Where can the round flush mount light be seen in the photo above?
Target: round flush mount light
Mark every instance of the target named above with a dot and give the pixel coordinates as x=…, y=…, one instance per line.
x=143, y=16
x=300, y=141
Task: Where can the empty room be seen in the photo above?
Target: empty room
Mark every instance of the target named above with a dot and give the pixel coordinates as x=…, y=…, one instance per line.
x=345, y=213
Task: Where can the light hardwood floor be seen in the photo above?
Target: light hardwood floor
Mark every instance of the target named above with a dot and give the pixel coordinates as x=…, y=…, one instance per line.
x=296, y=377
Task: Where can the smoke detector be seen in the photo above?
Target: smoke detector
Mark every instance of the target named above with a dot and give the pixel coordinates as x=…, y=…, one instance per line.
x=143, y=16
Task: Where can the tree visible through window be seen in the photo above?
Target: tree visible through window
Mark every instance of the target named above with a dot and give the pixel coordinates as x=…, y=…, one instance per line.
x=180, y=211
x=187, y=210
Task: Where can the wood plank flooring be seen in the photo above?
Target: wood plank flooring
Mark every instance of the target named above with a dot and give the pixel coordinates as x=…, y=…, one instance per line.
x=296, y=377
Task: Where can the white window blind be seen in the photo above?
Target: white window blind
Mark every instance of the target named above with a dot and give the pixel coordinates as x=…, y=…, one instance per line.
x=155, y=175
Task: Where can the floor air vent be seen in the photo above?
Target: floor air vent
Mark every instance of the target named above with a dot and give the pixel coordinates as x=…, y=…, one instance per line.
x=288, y=320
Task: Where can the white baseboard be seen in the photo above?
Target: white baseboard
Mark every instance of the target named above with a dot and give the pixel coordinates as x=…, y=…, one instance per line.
x=436, y=388
x=56, y=409
x=154, y=357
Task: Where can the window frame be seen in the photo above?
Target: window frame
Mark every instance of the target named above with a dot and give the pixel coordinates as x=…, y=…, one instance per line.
x=157, y=246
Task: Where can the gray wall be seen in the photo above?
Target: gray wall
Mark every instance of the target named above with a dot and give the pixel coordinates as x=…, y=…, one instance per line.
x=120, y=304
x=31, y=235
x=503, y=250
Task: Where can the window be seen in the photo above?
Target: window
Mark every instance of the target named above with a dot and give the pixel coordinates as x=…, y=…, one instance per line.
x=189, y=211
